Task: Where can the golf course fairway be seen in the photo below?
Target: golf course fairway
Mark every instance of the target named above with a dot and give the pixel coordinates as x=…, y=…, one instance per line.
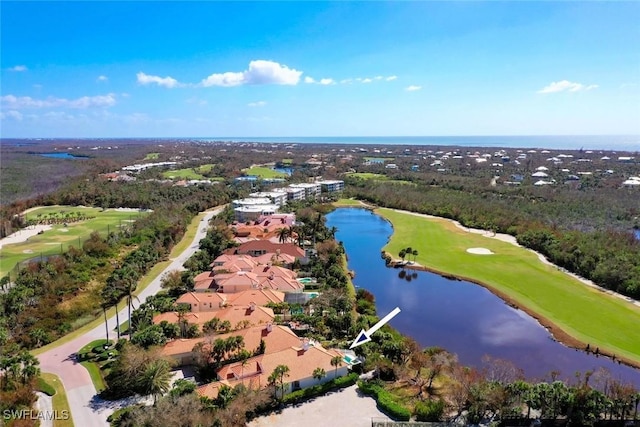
x=575, y=313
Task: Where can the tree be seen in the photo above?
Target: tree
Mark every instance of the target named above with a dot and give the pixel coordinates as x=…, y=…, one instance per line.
x=402, y=254
x=319, y=374
x=283, y=234
x=415, y=254
x=276, y=379
x=336, y=361
x=156, y=379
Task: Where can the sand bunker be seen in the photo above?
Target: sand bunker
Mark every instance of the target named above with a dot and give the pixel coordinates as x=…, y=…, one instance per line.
x=479, y=251
x=63, y=230
x=27, y=251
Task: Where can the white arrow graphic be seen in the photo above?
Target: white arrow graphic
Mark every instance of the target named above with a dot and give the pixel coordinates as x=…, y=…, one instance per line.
x=365, y=336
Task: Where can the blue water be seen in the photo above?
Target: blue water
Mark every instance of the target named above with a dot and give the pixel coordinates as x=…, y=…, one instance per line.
x=576, y=142
x=460, y=316
x=637, y=233
x=288, y=171
x=62, y=156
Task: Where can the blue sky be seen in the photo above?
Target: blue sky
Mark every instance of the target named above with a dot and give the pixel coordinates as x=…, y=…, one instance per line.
x=162, y=69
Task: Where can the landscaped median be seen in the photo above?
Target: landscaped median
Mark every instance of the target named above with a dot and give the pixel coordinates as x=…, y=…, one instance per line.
x=59, y=401
x=576, y=314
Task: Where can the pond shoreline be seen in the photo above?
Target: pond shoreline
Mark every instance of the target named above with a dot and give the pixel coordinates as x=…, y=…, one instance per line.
x=558, y=333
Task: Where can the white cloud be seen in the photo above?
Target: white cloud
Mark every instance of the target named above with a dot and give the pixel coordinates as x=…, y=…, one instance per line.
x=11, y=114
x=391, y=78
x=169, y=82
x=102, y=78
x=257, y=104
x=566, y=86
x=19, y=68
x=12, y=101
x=412, y=88
x=260, y=72
x=324, y=82
x=367, y=80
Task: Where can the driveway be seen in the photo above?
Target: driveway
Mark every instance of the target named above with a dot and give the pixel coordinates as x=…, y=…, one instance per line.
x=87, y=409
x=346, y=407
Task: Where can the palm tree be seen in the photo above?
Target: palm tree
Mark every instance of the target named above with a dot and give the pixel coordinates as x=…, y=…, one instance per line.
x=276, y=379
x=283, y=234
x=244, y=360
x=319, y=374
x=336, y=361
x=415, y=254
x=156, y=379
x=104, y=306
x=402, y=254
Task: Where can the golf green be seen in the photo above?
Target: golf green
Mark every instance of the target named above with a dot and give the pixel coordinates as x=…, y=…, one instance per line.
x=585, y=314
x=60, y=237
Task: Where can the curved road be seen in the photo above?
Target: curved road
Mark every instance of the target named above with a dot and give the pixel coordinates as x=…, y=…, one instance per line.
x=87, y=409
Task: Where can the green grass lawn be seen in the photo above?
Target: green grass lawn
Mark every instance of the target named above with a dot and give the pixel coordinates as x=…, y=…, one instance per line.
x=152, y=156
x=264, y=172
x=59, y=238
x=188, y=173
x=60, y=402
x=584, y=313
x=347, y=203
x=90, y=360
x=287, y=161
x=369, y=175
x=385, y=159
x=377, y=177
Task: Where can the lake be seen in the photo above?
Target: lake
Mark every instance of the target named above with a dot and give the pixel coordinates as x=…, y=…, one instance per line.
x=460, y=316
x=62, y=156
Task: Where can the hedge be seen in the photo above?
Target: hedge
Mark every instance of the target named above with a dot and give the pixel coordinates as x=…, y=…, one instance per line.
x=430, y=410
x=385, y=400
x=317, y=390
x=45, y=387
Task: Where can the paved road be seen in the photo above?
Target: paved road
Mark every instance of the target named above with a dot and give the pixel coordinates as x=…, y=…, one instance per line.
x=346, y=407
x=87, y=409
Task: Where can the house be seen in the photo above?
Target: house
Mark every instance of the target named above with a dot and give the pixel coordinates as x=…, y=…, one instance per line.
x=233, y=263
x=540, y=174
x=236, y=315
x=302, y=360
x=263, y=277
x=283, y=260
x=214, y=301
x=256, y=248
x=276, y=338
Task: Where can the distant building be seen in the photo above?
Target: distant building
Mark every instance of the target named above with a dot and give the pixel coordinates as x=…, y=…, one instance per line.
x=331, y=186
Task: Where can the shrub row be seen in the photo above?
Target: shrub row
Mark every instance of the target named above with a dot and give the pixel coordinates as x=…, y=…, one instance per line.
x=385, y=400
x=317, y=390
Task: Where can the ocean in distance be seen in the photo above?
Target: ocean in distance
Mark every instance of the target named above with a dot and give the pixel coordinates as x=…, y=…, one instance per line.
x=567, y=142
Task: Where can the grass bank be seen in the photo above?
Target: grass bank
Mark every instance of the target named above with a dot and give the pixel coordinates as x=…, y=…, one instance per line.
x=576, y=314
x=264, y=172
x=60, y=402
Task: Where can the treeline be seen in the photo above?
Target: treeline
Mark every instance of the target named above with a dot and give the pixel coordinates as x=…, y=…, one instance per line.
x=49, y=297
x=567, y=229
x=430, y=384
x=100, y=192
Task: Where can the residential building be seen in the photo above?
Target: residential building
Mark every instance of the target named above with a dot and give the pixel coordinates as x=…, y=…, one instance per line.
x=331, y=186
